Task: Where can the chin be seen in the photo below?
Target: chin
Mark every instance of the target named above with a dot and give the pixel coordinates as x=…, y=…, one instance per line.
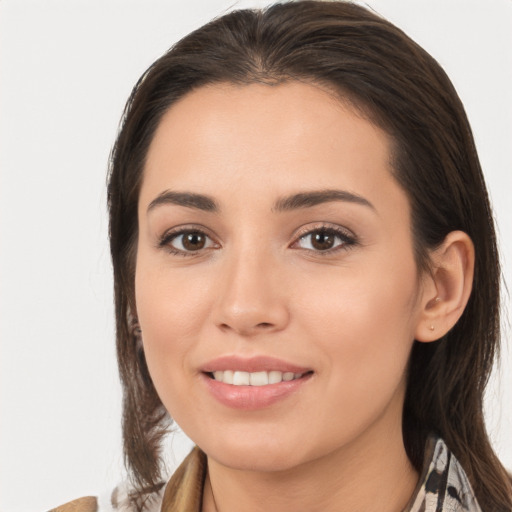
x=268, y=454
x=258, y=460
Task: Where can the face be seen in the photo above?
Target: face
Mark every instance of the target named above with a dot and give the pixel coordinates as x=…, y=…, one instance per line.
x=276, y=286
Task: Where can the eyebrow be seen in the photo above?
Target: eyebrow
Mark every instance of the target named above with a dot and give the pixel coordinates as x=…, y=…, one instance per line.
x=284, y=204
x=187, y=199
x=310, y=199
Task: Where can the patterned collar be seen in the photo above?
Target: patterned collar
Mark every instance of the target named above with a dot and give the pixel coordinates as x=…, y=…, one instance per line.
x=443, y=485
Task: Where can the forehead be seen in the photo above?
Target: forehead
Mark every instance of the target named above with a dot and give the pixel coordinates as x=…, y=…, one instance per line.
x=270, y=138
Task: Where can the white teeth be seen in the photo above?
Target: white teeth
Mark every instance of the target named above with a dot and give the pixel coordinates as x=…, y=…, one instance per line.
x=274, y=377
x=238, y=378
x=258, y=378
x=241, y=378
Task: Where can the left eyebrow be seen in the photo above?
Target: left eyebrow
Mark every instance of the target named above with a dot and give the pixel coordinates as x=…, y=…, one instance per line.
x=316, y=197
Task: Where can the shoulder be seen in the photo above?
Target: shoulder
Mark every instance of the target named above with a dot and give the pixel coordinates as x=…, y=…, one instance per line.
x=85, y=504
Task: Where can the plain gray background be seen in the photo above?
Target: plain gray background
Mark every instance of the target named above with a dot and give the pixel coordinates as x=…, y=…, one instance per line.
x=66, y=69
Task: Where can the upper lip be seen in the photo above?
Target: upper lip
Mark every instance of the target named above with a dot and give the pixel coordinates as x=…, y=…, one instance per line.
x=252, y=364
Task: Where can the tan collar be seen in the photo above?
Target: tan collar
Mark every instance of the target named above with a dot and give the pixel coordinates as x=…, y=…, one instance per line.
x=184, y=491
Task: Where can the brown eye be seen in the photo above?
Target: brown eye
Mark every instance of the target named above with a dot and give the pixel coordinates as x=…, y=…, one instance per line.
x=325, y=240
x=186, y=242
x=322, y=240
x=193, y=241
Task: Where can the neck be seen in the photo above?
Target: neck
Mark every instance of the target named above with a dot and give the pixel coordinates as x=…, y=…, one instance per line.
x=372, y=473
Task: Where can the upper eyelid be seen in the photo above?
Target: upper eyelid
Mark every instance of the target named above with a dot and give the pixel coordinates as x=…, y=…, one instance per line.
x=308, y=228
x=186, y=228
x=301, y=231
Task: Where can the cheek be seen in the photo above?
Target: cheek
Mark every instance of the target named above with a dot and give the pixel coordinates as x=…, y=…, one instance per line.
x=364, y=323
x=371, y=291
x=170, y=309
x=363, y=332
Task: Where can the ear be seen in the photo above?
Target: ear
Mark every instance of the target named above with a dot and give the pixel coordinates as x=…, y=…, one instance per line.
x=446, y=289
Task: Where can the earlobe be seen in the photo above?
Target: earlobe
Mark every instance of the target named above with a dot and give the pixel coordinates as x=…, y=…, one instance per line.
x=448, y=289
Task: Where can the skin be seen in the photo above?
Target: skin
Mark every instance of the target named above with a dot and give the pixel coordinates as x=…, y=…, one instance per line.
x=257, y=288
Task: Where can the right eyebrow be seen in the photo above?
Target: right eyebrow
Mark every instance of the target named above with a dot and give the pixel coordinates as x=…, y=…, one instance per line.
x=187, y=199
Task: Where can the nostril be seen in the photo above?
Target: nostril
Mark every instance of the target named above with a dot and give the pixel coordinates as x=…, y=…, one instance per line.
x=264, y=324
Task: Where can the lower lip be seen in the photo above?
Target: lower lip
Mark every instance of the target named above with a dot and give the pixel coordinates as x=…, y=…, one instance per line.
x=250, y=398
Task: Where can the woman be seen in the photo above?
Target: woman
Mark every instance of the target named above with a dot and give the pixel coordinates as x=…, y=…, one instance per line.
x=306, y=272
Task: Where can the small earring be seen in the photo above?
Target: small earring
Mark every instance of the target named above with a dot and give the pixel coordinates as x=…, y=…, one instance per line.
x=431, y=327
x=437, y=299
x=136, y=330
x=137, y=333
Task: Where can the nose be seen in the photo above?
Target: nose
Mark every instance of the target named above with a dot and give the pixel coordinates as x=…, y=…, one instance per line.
x=251, y=297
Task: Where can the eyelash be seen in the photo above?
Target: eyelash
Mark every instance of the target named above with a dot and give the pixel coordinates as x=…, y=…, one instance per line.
x=347, y=239
x=170, y=236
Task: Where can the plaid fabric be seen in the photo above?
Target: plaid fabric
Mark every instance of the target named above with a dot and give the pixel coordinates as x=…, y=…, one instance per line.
x=443, y=487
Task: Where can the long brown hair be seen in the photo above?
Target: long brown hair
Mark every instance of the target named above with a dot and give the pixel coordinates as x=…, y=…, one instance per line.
x=401, y=88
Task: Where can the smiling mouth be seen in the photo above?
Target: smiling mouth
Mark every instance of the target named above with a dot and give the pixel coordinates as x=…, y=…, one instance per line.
x=263, y=378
